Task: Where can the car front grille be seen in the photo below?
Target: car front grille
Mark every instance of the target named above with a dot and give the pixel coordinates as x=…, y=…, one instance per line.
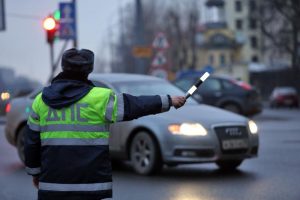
x=233, y=139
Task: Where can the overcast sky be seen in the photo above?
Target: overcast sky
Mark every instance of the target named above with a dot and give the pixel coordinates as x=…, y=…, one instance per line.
x=23, y=45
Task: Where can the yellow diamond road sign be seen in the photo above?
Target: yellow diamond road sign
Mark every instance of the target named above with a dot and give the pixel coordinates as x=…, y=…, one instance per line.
x=142, y=52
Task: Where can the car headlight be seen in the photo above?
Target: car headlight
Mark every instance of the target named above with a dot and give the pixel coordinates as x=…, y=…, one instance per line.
x=253, y=127
x=189, y=129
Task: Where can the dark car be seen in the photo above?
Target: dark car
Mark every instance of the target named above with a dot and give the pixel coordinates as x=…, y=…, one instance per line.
x=284, y=96
x=225, y=92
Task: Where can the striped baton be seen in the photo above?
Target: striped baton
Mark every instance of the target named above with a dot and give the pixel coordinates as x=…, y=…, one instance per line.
x=195, y=86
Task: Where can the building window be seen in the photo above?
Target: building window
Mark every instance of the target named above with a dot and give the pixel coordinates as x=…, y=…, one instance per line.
x=222, y=60
x=239, y=24
x=238, y=6
x=254, y=58
x=252, y=5
x=253, y=41
x=211, y=59
x=231, y=59
x=252, y=24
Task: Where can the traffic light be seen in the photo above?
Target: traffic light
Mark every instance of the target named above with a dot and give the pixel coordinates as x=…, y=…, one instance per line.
x=50, y=25
x=56, y=15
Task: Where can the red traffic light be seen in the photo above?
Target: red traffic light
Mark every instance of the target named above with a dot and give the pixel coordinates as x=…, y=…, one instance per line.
x=49, y=23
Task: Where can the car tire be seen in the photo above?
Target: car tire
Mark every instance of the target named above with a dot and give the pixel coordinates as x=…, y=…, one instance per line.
x=20, y=143
x=145, y=154
x=232, y=107
x=229, y=165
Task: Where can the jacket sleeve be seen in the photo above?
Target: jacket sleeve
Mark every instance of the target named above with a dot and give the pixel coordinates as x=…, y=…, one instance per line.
x=32, y=143
x=125, y=107
x=139, y=106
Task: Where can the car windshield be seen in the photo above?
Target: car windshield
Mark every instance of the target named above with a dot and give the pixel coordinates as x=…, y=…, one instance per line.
x=150, y=88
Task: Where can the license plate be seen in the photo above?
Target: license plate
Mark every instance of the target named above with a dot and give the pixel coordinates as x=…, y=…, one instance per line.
x=234, y=144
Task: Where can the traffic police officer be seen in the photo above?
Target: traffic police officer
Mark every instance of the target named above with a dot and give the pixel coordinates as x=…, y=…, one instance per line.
x=66, y=142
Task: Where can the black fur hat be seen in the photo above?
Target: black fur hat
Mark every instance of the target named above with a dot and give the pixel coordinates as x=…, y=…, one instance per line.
x=78, y=61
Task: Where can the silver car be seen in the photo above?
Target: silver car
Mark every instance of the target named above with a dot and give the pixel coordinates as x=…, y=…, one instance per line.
x=195, y=133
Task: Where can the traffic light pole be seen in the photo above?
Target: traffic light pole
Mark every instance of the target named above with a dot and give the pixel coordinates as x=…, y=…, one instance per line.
x=139, y=36
x=75, y=40
x=51, y=61
x=55, y=64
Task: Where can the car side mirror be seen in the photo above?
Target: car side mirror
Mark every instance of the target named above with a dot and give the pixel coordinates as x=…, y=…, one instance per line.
x=198, y=98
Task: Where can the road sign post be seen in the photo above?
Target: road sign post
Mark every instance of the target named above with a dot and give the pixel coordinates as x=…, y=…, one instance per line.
x=2, y=16
x=159, y=62
x=142, y=52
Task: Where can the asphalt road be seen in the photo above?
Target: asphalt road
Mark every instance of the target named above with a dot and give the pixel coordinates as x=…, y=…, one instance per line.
x=275, y=174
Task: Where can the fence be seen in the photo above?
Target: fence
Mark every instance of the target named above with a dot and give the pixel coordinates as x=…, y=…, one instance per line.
x=266, y=81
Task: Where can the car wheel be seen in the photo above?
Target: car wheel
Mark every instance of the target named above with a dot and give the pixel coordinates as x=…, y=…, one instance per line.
x=232, y=108
x=20, y=144
x=144, y=154
x=228, y=165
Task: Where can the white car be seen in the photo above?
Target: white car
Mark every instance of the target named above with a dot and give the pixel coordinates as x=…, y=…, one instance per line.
x=194, y=133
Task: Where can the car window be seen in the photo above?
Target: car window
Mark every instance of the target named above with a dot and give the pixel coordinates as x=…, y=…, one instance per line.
x=149, y=88
x=210, y=85
x=184, y=84
x=285, y=91
x=228, y=85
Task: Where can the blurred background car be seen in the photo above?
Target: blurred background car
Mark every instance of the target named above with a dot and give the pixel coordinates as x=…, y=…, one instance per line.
x=284, y=97
x=224, y=92
x=12, y=86
x=192, y=134
x=4, y=99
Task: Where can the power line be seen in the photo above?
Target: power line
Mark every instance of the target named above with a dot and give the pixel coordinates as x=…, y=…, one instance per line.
x=24, y=16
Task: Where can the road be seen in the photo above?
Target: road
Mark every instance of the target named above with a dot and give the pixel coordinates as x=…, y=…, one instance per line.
x=275, y=174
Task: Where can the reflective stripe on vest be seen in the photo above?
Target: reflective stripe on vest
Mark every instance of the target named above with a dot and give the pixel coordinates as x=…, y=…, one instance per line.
x=75, y=127
x=110, y=108
x=75, y=187
x=74, y=141
x=33, y=171
x=120, y=107
x=35, y=116
x=33, y=126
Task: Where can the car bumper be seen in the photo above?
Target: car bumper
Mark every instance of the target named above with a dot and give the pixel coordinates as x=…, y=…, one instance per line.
x=205, y=149
x=287, y=102
x=196, y=155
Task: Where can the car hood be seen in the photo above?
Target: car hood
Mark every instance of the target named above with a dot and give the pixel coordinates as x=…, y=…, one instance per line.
x=206, y=115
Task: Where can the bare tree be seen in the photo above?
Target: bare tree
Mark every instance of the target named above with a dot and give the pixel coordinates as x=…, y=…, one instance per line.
x=177, y=19
x=279, y=20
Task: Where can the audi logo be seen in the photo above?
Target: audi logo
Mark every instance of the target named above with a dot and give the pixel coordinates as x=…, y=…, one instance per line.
x=233, y=131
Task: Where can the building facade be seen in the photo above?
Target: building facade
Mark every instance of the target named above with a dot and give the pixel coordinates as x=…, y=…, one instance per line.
x=230, y=37
x=240, y=18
